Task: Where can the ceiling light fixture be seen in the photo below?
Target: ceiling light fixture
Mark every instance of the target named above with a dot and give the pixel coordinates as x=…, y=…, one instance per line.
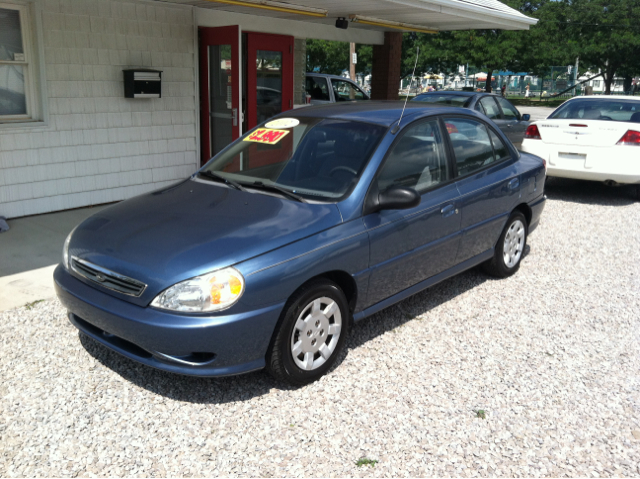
x=275, y=7
x=388, y=24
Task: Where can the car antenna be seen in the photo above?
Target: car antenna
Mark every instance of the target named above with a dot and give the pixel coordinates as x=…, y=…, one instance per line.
x=397, y=127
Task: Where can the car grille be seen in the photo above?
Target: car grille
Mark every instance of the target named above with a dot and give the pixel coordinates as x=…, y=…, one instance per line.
x=107, y=279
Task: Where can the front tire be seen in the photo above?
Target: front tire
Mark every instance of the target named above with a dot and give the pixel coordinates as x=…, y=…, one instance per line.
x=510, y=248
x=310, y=335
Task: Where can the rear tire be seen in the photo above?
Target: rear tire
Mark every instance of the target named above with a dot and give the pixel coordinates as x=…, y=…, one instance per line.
x=311, y=333
x=510, y=248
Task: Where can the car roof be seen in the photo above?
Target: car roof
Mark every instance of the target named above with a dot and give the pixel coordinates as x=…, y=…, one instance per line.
x=384, y=113
x=449, y=92
x=456, y=93
x=605, y=97
x=326, y=75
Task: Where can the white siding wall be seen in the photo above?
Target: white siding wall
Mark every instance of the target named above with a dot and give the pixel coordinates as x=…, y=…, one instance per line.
x=100, y=147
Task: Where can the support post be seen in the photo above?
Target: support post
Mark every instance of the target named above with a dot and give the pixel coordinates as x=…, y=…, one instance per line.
x=386, y=68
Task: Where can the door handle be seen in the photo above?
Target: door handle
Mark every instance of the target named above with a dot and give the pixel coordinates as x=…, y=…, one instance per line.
x=235, y=117
x=448, y=211
x=514, y=183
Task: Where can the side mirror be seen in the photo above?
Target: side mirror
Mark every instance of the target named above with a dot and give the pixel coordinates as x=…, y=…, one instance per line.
x=398, y=198
x=526, y=117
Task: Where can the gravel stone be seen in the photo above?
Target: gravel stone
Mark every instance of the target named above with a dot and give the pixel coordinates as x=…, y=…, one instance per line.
x=551, y=355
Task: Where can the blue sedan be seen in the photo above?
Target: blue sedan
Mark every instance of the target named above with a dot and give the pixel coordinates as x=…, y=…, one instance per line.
x=318, y=218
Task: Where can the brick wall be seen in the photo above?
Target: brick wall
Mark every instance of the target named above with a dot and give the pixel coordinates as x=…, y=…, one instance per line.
x=100, y=147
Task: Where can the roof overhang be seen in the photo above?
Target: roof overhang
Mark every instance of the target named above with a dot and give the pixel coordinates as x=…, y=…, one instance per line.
x=382, y=15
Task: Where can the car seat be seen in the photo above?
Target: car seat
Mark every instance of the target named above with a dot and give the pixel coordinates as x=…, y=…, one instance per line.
x=635, y=118
x=591, y=114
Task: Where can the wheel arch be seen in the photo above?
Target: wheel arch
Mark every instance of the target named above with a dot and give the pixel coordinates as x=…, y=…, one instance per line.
x=346, y=283
x=525, y=209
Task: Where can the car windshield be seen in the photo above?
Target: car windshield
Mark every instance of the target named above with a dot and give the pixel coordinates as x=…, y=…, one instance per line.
x=600, y=109
x=317, y=159
x=451, y=100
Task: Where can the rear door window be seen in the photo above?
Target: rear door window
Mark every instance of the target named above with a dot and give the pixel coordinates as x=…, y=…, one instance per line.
x=508, y=110
x=418, y=160
x=499, y=148
x=490, y=107
x=471, y=143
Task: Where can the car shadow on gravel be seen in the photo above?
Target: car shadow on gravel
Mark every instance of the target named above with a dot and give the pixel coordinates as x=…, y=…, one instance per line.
x=183, y=388
x=244, y=387
x=589, y=192
x=413, y=307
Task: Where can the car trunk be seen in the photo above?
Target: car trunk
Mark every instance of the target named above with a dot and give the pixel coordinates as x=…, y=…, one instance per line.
x=583, y=132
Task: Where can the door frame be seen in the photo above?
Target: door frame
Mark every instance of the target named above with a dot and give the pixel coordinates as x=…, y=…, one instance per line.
x=271, y=42
x=206, y=37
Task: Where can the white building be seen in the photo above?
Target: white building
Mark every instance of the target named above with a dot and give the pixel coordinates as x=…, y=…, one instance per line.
x=69, y=137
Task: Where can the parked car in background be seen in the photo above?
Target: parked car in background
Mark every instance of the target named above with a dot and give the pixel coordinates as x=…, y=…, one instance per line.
x=590, y=138
x=495, y=107
x=332, y=88
x=320, y=217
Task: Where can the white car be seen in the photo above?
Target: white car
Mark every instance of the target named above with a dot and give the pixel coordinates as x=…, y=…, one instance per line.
x=590, y=138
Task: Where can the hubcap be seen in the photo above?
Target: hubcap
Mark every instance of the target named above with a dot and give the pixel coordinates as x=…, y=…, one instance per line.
x=316, y=333
x=513, y=244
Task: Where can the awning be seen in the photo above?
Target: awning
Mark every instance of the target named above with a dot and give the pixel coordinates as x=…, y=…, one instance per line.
x=382, y=15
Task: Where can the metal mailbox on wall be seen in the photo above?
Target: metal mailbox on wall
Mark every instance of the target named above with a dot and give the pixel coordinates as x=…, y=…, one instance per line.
x=142, y=83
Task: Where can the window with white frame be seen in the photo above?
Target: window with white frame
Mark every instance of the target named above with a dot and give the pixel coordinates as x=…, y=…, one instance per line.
x=17, y=65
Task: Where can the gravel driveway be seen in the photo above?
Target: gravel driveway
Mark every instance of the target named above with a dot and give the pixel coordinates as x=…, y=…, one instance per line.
x=550, y=355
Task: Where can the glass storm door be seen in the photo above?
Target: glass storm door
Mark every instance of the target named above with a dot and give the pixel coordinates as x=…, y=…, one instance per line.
x=219, y=89
x=269, y=76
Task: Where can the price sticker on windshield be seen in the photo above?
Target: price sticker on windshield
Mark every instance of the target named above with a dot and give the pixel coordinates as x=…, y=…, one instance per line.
x=266, y=136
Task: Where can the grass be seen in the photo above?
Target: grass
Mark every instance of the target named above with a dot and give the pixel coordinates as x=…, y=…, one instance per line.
x=481, y=414
x=363, y=461
x=32, y=304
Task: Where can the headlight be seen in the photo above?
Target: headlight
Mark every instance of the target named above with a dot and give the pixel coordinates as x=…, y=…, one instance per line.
x=65, y=249
x=210, y=292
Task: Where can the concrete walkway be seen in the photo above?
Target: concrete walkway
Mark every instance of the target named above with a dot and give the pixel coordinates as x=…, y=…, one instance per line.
x=30, y=251
x=536, y=112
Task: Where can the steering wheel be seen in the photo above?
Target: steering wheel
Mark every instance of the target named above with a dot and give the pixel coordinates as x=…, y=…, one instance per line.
x=603, y=117
x=343, y=168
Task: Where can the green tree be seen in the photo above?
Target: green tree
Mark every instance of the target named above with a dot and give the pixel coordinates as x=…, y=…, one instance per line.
x=332, y=57
x=325, y=56
x=436, y=53
x=606, y=35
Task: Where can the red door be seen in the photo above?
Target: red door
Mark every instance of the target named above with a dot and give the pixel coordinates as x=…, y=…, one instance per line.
x=269, y=76
x=219, y=89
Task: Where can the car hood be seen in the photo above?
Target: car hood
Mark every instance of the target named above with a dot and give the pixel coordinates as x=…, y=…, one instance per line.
x=192, y=228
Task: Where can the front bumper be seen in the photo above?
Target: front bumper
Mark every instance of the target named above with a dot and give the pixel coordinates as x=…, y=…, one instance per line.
x=193, y=345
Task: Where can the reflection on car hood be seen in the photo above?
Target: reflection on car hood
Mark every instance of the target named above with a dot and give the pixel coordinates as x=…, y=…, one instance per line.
x=192, y=228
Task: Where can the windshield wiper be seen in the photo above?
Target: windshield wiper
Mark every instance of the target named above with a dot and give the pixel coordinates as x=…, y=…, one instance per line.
x=259, y=185
x=221, y=179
